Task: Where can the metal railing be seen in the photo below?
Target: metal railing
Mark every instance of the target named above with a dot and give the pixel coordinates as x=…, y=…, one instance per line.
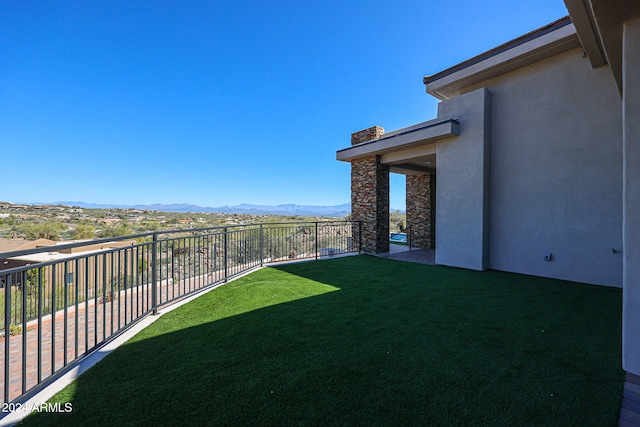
x=55, y=312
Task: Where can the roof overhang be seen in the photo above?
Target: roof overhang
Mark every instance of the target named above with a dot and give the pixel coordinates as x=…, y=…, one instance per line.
x=599, y=27
x=545, y=42
x=406, y=139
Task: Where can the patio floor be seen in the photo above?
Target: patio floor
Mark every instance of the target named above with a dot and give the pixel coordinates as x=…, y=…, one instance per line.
x=402, y=253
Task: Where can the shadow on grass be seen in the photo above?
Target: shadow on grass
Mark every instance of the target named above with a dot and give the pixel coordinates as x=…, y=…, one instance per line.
x=366, y=341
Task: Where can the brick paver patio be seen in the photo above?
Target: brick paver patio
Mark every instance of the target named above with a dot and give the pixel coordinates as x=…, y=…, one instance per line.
x=88, y=325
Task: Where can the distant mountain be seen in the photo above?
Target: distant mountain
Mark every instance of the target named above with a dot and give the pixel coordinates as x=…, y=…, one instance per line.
x=288, y=209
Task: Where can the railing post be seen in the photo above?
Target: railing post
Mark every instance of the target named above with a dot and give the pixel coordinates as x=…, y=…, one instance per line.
x=261, y=246
x=154, y=273
x=24, y=331
x=316, y=240
x=359, y=236
x=7, y=337
x=226, y=255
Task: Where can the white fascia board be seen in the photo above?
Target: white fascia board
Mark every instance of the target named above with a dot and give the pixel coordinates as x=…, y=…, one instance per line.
x=423, y=133
x=522, y=55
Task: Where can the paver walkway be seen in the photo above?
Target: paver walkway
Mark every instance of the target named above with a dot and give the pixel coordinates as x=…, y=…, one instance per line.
x=87, y=325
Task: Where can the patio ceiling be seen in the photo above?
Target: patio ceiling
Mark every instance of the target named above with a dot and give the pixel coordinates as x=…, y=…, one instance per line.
x=421, y=161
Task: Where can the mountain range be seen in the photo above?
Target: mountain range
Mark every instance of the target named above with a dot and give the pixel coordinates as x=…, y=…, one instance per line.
x=287, y=209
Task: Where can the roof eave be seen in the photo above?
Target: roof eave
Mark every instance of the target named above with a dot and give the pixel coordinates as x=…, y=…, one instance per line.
x=535, y=46
x=584, y=21
x=600, y=25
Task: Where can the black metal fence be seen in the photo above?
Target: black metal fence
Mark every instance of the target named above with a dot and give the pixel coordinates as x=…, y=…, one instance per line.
x=58, y=307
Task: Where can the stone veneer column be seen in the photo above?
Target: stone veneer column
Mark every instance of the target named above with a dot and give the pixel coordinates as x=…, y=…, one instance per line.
x=370, y=195
x=421, y=210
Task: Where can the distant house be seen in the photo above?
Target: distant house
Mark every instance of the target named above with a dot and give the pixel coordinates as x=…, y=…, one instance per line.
x=10, y=245
x=67, y=269
x=532, y=164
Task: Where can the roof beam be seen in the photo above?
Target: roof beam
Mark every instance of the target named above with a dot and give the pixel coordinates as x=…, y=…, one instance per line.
x=424, y=133
x=410, y=169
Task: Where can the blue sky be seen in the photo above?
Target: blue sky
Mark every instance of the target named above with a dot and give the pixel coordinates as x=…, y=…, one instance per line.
x=222, y=102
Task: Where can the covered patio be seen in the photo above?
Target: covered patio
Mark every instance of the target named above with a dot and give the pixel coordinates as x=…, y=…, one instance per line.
x=411, y=151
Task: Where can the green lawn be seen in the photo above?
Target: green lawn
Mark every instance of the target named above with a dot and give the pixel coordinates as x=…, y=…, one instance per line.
x=366, y=341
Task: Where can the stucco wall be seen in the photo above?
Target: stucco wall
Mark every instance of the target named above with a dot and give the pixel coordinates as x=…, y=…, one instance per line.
x=631, y=204
x=556, y=176
x=462, y=185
